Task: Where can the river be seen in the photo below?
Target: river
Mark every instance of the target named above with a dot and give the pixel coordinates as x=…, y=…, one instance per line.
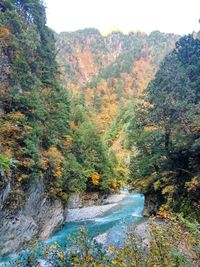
x=109, y=228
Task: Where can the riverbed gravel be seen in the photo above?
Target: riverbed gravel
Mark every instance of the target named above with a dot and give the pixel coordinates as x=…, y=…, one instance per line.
x=92, y=212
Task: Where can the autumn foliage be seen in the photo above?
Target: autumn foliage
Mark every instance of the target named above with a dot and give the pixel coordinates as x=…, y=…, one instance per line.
x=95, y=178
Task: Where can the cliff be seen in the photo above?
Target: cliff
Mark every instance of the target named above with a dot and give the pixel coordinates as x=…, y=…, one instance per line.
x=36, y=220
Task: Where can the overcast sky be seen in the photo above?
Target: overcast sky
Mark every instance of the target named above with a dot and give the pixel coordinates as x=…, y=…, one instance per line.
x=178, y=16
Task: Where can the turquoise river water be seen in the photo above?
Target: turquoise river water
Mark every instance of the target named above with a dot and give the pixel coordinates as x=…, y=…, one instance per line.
x=114, y=222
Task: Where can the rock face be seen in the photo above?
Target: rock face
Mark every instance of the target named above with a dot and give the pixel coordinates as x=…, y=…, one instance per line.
x=77, y=200
x=4, y=69
x=91, y=205
x=151, y=205
x=91, y=212
x=4, y=73
x=38, y=219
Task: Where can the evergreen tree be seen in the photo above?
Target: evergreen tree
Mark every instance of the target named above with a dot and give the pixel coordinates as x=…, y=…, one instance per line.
x=35, y=108
x=166, y=131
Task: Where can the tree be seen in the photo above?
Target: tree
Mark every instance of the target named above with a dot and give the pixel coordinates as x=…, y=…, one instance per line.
x=35, y=108
x=167, y=132
x=90, y=152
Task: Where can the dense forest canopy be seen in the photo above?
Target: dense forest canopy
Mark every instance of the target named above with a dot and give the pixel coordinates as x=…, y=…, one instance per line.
x=166, y=131
x=37, y=135
x=107, y=74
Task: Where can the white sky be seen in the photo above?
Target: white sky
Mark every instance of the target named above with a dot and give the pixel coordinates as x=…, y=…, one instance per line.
x=178, y=16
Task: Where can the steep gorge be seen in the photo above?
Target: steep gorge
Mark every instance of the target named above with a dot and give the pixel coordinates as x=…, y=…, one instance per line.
x=49, y=149
x=110, y=71
x=108, y=74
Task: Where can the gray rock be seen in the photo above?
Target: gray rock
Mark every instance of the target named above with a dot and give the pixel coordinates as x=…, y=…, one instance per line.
x=74, y=201
x=142, y=231
x=87, y=212
x=4, y=194
x=151, y=205
x=48, y=215
x=16, y=231
x=94, y=206
x=80, y=200
x=39, y=218
x=4, y=69
x=115, y=198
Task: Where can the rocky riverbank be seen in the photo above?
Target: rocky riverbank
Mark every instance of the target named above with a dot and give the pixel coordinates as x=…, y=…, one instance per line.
x=36, y=220
x=84, y=213
x=40, y=217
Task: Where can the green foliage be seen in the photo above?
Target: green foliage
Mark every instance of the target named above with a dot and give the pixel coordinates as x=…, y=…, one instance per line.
x=32, y=97
x=165, y=130
x=6, y=164
x=89, y=150
x=36, y=112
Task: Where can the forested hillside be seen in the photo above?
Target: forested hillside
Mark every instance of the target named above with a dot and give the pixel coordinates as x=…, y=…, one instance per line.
x=166, y=131
x=33, y=105
x=49, y=148
x=37, y=129
x=107, y=74
x=109, y=71
x=156, y=120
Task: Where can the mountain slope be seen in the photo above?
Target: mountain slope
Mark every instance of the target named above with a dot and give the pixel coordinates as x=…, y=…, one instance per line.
x=107, y=71
x=43, y=159
x=107, y=74
x=166, y=132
